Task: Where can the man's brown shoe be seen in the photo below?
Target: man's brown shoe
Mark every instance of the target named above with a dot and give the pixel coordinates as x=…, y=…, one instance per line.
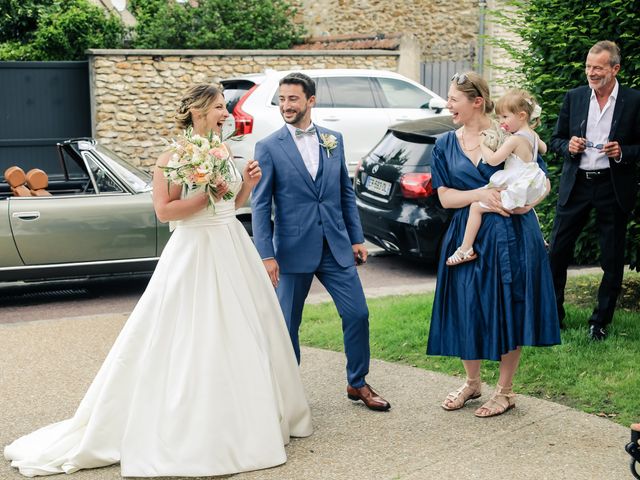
x=370, y=398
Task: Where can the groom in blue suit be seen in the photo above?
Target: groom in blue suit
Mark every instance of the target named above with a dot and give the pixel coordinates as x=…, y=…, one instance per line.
x=317, y=229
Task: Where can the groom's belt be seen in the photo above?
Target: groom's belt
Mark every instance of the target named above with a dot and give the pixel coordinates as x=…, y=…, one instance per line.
x=593, y=174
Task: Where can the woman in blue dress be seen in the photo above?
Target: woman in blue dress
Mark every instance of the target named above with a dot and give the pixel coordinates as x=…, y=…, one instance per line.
x=489, y=308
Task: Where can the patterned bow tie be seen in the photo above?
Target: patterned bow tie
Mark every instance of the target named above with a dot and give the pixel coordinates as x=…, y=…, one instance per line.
x=300, y=132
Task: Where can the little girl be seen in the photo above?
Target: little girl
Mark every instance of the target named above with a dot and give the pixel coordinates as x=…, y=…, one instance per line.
x=523, y=181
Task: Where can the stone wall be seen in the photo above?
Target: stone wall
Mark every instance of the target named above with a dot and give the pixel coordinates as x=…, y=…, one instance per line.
x=500, y=71
x=135, y=92
x=444, y=29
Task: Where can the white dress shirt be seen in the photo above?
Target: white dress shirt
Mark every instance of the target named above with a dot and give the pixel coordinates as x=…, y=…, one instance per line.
x=309, y=148
x=597, y=131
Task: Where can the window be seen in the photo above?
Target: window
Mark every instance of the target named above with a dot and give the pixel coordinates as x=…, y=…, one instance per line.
x=104, y=181
x=323, y=96
x=398, y=148
x=73, y=165
x=401, y=94
x=138, y=180
x=234, y=91
x=351, y=92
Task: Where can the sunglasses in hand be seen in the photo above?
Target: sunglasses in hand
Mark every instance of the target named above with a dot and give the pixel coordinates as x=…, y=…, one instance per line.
x=590, y=144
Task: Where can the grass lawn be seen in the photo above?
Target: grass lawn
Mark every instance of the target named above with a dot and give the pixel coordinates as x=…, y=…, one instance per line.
x=601, y=378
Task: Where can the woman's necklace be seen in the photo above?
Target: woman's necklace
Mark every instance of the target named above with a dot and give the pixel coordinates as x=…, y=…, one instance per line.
x=464, y=146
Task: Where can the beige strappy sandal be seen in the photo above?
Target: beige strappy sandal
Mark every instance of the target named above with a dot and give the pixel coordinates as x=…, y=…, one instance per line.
x=461, y=256
x=471, y=390
x=503, y=399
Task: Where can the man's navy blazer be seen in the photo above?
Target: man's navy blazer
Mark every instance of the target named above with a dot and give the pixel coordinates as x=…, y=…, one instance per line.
x=625, y=129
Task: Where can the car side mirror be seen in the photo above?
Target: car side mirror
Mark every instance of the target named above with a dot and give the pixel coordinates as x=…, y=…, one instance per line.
x=437, y=104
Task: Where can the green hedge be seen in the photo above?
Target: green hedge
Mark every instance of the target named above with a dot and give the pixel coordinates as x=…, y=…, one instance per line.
x=558, y=35
x=215, y=24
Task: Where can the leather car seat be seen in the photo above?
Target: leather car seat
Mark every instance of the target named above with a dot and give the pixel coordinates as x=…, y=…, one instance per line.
x=16, y=179
x=38, y=181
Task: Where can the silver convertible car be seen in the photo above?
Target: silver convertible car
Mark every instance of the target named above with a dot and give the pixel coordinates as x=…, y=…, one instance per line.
x=93, y=217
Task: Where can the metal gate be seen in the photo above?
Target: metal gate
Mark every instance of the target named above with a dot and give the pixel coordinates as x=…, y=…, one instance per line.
x=436, y=75
x=41, y=103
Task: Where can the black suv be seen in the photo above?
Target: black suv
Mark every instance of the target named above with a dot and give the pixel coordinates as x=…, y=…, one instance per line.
x=399, y=209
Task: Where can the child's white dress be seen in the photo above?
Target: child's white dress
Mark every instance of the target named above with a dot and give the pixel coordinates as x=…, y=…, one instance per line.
x=525, y=182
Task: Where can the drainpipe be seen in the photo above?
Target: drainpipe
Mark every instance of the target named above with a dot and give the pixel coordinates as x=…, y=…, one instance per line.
x=482, y=4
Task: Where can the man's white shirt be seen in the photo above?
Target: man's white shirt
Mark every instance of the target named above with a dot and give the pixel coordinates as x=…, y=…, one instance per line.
x=309, y=148
x=597, y=131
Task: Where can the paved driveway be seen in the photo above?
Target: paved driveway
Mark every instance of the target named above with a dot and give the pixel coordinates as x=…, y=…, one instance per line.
x=383, y=274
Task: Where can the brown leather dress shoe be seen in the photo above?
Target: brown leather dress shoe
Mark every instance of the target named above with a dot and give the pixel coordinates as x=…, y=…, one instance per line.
x=370, y=398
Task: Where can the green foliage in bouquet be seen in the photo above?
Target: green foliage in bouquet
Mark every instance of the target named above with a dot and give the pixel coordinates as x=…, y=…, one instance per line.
x=48, y=30
x=557, y=35
x=199, y=162
x=215, y=24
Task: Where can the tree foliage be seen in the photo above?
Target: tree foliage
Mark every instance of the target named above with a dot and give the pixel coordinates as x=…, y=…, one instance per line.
x=215, y=24
x=63, y=29
x=55, y=29
x=18, y=17
x=557, y=35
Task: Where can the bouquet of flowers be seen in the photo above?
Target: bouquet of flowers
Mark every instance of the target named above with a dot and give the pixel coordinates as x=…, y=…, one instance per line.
x=199, y=162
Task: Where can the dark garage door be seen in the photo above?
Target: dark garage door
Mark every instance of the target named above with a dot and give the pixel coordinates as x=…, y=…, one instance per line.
x=41, y=103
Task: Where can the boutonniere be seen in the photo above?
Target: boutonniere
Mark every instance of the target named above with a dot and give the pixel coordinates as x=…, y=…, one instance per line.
x=329, y=142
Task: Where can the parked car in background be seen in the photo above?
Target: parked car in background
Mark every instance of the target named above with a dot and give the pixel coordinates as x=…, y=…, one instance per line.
x=360, y=104
x=95, y=217
x=399, y=209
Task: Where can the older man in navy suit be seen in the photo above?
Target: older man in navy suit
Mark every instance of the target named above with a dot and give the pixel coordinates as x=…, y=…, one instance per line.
x=317, y=229
x=598, y=134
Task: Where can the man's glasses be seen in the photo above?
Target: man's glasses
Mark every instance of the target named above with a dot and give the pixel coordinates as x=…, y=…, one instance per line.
x=589, y=143
x=461, y=78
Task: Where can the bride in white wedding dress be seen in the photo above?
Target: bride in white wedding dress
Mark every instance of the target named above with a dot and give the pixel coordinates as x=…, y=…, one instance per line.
x=202, y=380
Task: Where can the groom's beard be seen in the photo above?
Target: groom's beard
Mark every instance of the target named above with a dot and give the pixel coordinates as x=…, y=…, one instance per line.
x=296, y=119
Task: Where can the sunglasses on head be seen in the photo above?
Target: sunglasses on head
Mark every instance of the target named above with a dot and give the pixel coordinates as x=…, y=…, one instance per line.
x=461, y=79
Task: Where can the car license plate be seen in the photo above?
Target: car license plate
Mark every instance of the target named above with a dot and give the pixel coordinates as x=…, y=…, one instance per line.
x=378, y=186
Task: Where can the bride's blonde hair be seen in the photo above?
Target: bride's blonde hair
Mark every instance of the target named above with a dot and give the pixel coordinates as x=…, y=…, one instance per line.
x=198, y=97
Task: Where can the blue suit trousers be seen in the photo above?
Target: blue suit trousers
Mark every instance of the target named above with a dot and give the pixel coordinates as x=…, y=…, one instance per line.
x=343, y=284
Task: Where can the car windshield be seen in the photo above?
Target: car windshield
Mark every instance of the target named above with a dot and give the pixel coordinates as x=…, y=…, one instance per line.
x=399, y=148
x=137, y=179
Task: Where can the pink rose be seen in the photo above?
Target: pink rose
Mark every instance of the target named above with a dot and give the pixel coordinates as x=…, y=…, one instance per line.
x=219, y=152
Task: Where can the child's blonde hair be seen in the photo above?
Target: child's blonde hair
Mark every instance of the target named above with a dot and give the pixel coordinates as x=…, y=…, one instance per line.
x=517, y=100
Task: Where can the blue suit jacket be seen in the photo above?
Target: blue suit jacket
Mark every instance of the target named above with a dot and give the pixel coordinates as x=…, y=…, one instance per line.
x=304, y=215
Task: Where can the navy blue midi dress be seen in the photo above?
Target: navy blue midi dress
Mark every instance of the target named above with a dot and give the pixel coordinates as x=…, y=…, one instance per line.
x=503, y=299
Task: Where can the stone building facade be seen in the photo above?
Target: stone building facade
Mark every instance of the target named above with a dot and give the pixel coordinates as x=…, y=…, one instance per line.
x=444, y=29
x=135, y=92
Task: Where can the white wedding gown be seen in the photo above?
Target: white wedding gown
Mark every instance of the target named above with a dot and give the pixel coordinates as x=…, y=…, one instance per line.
x=201, y=381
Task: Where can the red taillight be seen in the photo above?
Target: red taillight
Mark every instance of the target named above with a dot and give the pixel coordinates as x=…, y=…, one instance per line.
x=244, y=121
x=416, y=185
